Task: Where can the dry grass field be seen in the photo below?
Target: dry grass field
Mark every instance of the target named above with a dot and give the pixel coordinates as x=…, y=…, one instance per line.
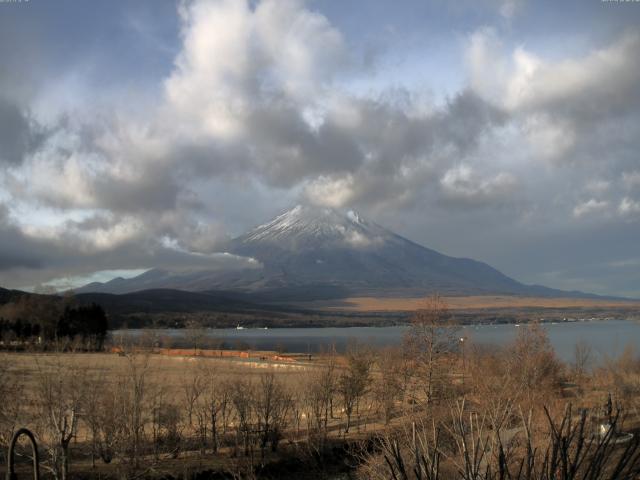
x=394, y=304
x=172, y=393
x=169, y=371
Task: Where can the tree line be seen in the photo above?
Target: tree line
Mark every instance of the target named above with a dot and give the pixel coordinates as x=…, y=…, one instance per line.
x=47, y=321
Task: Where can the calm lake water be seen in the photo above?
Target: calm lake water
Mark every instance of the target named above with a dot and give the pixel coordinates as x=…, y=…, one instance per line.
x=607, y=338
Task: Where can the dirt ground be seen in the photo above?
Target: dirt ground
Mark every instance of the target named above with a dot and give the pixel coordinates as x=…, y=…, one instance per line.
x=170, y=371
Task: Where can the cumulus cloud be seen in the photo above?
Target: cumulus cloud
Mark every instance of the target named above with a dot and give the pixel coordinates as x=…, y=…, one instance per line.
x=271, y=103
x=462, y=184
x=32, y=255
x=245, y=72
x=259, y=96
x=550, y=138
x=590, y=207
x=522, y=80
x=276, y=48
x=330, y=192
x=254, y=91
x=243, y=86
x=581, y=109
x=629, y=207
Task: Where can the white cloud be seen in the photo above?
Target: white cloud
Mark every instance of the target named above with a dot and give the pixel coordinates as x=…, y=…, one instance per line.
x=522, y=80
x=629, y=207
x=356, y=239
x=107, y=235
x=330, y=192
x=590, y=207
x=463, y=183
x=236, y=56
x=255, y=110
x=202, y=238
x=488, y=68
x=548, y=138
x=253, y=93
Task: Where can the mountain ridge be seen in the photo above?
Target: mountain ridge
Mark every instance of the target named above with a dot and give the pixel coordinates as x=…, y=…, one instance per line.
x=318, y=246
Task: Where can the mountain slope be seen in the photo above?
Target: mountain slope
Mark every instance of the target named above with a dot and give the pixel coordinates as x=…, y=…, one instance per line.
x=164, y=300
x=319, y=245
x=312, y=247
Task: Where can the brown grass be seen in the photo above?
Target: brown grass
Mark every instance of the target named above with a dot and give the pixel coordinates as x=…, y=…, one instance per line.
x=486, y=383
x=373, y=304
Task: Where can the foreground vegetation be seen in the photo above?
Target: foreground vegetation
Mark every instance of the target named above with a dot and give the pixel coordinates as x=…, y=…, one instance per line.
x=436, y=407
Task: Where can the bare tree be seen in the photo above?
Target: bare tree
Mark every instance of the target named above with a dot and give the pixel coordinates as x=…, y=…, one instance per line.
x=354, y=380
x=621, y=376
x=326, y=386
x=195, y=336
x=533, y=366
x=431, y=338
x=108, y=422
x=298, y=404
x=193, y=386
x=388, y=386
x=492, y=383
x=582, y=354
x=272, y=405
x=167, y=426
x=212, y=406
x=167, y=422
x=464, y=446
x=242, y=400
x=94, y=391
x=60, y=400
x=315, y=402
x=135, y=393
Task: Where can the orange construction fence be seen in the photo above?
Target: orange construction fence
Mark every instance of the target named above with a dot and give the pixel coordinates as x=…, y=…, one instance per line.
x=173, y=352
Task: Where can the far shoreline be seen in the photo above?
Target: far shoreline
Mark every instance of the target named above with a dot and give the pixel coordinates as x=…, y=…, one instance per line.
x=386, y=312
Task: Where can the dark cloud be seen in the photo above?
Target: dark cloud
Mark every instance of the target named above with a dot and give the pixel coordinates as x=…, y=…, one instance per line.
x=156, y=154
x=17, y=251
x=404, y=154
x=155, y=190
x=98, y=243
x=19, y=134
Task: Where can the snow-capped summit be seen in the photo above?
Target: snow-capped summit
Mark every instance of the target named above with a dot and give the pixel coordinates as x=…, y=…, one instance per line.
x=308, y=227
x=310, y=245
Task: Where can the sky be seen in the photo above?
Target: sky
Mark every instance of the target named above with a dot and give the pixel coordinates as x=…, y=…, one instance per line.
x=146, y=134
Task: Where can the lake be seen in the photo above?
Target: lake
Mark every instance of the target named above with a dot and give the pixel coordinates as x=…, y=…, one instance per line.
x=607, y=338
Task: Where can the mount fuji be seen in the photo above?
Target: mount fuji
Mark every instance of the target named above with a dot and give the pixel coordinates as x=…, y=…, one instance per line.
x=313, y=248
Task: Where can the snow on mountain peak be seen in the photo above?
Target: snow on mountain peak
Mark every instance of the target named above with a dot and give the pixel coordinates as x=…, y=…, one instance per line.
x=314, y=225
